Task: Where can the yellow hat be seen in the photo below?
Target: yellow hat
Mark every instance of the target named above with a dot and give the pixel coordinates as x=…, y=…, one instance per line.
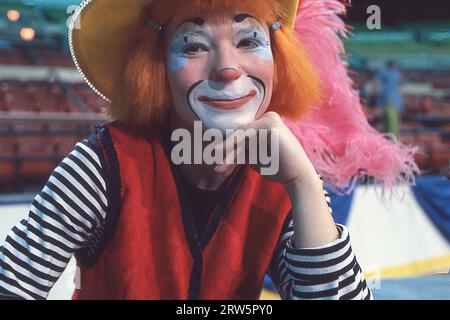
x=100, y=34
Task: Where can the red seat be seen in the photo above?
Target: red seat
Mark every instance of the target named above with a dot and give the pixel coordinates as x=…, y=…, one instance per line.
x=17, y=102
x=409, y=139
x=7, y=174
x=64, y=144
x=430, y=139
x=8, y=146
x=38, y=159
x=8, y=150
x=96, y=103
x=440, y=157
x=423, y=160
x=20, y=127
x=11, y=85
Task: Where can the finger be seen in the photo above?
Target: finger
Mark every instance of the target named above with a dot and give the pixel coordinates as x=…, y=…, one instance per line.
x=250, y=130
x=236, y=140
x=267, y=121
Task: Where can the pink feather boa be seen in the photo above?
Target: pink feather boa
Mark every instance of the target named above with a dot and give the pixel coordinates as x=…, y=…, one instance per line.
x=337, y=137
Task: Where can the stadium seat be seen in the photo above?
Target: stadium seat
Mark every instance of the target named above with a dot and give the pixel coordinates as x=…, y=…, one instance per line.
x=422, y=159
x=15, y=56
x=439, y=158
x=8, y=147
x=429, y=139
x=8, y=151
x=96, y=103
x=409, y=139
x=7, y=174
x=37, y=158
x=65, y=144
x=411, y=125
x=26, y=127
x=16, y=102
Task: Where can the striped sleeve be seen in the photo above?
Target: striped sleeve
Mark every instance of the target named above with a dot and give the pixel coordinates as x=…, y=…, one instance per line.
x=62, y=219
x=328, y=272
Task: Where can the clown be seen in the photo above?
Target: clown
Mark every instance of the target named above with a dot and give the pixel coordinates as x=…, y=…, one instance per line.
x=144, y=228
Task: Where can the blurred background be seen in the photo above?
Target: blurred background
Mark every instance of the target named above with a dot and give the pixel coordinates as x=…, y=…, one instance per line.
x=400, y=63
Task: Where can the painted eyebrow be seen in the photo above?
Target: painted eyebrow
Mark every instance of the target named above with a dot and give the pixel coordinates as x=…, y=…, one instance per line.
x=242, y=16
x=200, y=21
x=196, y=20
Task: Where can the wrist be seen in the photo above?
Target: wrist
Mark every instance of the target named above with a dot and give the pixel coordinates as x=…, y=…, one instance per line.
x=305, y=181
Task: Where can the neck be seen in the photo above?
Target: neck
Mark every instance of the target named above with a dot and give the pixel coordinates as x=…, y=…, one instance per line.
x=202, y=175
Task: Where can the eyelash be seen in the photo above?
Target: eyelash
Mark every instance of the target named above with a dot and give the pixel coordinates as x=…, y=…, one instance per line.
x=256, y=43
x=199, y=45
x=186, y=50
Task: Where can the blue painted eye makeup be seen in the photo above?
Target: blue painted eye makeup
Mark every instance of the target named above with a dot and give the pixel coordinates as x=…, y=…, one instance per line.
x=187, y=42
x=253, y=42
x=183, y=41
x=253, y=38
x=249, y=34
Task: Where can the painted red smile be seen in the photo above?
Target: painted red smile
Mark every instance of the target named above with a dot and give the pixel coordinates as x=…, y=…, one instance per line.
x=228, y=104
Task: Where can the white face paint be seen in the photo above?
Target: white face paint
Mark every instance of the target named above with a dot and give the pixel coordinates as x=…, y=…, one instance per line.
x=227, y=106
x=220, y=72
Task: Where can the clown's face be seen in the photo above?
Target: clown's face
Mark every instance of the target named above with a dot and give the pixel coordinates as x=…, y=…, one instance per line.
x=220, y=70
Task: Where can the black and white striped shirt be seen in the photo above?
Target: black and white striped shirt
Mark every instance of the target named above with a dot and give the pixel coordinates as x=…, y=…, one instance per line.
x=69, y=214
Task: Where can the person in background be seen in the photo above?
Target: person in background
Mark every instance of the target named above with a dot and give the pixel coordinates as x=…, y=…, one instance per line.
x=390, y=97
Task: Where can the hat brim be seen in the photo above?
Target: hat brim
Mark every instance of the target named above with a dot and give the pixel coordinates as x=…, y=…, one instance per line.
x=101, y=32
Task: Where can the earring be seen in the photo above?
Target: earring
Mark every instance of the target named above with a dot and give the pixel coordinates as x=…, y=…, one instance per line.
x=153, y=24
x=276, y=25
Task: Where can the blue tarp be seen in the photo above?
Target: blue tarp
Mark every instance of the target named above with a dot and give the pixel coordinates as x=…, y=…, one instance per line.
x=431, y=192
x=433, y=195
x=341, y=206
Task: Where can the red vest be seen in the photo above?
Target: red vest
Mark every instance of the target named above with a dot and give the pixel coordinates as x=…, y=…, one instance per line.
x=150, y=249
